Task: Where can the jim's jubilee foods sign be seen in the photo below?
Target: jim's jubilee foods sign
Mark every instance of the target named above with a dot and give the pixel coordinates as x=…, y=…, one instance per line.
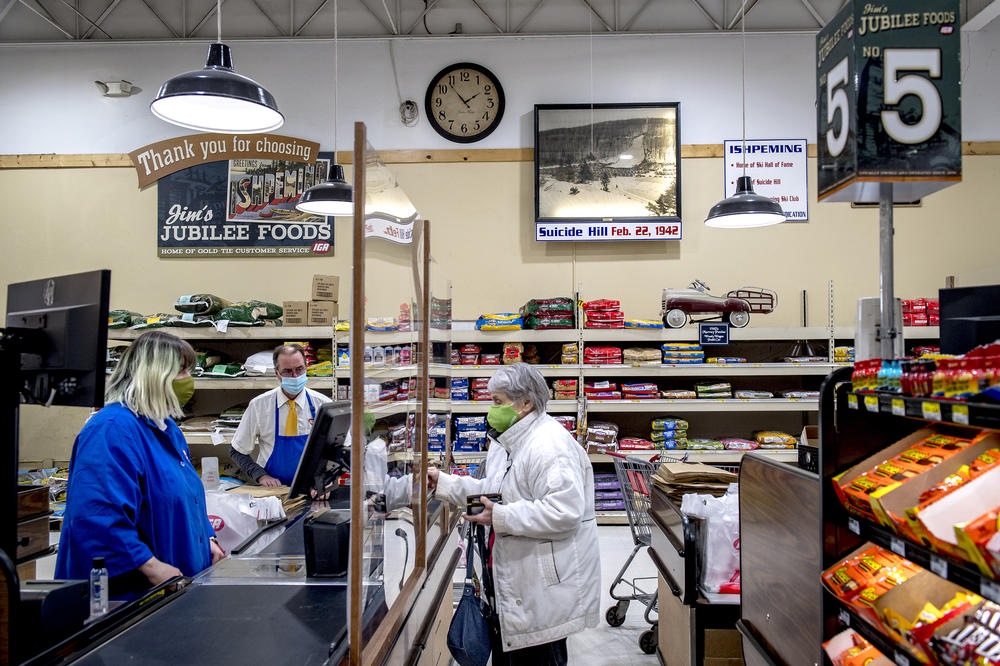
x=225, y=195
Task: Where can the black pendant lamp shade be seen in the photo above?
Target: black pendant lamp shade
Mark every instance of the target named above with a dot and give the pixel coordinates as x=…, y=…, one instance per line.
x=217, y=99
x=332, y=198
x=745, y=209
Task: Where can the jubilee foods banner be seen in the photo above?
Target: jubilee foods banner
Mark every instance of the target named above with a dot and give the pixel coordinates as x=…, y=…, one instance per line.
x=221, y=195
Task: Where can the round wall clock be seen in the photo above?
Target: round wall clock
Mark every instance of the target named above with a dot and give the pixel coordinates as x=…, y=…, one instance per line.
x=464, y=102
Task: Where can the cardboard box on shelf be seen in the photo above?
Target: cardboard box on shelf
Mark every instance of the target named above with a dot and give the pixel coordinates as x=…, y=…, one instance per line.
x=296, y=313
x=962, y=506
x=322, y=313
x=326, y=288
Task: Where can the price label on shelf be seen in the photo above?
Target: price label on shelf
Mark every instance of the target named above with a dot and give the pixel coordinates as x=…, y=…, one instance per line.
x=898, y=407
x=900, y=658
x=218, y=438
x=845, y=617
x=990, y=589
x=871, y=403
x=931, y=411
x=939, y=565
x=854, y=525
x=852, y=401
x=897, y=546
x=960, y=414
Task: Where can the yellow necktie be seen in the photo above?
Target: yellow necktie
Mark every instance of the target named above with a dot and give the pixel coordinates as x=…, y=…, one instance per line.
x=292, y=422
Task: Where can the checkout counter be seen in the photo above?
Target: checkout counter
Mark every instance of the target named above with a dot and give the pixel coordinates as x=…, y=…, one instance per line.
x=258, y=606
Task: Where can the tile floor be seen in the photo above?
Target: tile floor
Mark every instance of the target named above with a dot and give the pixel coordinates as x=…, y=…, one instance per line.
x=602, y=646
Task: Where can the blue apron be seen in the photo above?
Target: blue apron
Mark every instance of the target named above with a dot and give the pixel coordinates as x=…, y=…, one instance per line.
x=287, y=450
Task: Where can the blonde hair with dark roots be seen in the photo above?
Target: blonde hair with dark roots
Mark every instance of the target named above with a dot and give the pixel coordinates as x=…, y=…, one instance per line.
x=143, y=379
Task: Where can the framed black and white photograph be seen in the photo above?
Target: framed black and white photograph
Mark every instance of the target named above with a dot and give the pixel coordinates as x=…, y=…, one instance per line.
x=607, y=163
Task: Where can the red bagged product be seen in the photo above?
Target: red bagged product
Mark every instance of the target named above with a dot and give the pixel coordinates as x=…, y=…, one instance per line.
x=591, y=387
x=601, y=304
x=611, y=315
x=490, y=359
x=605, y=395
x=479, y=383
x=606, y=324
x=634, y=444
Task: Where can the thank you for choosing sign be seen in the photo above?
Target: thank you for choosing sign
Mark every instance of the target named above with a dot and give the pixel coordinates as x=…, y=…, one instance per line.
x=779, y=169
x=888, y=103
x=223, y=195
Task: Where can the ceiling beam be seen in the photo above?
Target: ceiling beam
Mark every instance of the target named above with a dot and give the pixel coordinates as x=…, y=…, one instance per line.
x=378, y=18
x=48, y=20
x=745, y=9
x=427, y=9
x=3, y=12
x=629, y=23
x=480, y=8
x=718, y=26
x=815, y=14
x=100, y=19
x=302, y=27
x=278, y=28
x=599, y=17
x=84, y=17
x=524, y=21
x=204, y=18
x=173, y=33
x=984, y=17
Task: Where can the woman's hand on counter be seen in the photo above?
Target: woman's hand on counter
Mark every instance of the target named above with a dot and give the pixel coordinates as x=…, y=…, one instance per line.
x=157, y=572
x=268, y=481
x=217, y=552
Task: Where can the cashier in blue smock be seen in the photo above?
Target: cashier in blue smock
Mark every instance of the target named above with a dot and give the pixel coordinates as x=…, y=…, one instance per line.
x=134, y=498
x=277, y=423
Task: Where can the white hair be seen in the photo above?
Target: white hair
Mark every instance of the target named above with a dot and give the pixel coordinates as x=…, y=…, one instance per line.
x=521, y=382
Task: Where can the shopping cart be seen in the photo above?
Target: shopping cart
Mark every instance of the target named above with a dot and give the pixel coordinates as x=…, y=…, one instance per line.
x=634, y=478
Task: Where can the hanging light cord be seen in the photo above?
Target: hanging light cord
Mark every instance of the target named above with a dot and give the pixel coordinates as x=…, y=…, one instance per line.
x=218, y=21
x=743, y=81
x=336, y=79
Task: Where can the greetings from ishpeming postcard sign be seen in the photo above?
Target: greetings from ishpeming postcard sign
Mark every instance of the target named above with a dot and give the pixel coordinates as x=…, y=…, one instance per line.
x=225, y=195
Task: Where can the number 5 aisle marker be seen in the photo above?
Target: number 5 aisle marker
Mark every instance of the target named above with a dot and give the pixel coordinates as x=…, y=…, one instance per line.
x=889, y=111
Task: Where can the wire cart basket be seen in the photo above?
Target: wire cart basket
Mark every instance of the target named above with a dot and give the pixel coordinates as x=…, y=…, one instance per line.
x=634, y=478
x=634, y=475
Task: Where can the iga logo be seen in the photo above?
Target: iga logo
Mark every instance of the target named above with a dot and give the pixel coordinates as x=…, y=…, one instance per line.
x=217, y=522
x=321, y=247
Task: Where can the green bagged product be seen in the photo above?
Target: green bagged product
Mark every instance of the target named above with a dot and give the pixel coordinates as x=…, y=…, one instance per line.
x=144, y=322
x=225, y=370
x=206, y=359
x=667, y=435
x=263, y=309
x=671, y=444
x=698, y=444
x=191, y=320
x=541, y=322
x=202, y=304
x=545, y=306
x=121, y=318
x=669, y=423
x=242, y=314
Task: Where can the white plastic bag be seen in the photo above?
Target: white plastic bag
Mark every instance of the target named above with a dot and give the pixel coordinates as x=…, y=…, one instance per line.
x=235, y=517
x=721, y=557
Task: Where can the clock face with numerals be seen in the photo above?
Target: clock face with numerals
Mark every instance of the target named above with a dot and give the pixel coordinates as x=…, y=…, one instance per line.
x=464, y=102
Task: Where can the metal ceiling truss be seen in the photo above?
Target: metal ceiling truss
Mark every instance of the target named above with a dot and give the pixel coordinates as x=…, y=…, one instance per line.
x=156, y=21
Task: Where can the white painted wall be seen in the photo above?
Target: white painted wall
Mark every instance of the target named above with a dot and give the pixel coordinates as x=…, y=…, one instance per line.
x=49, y=103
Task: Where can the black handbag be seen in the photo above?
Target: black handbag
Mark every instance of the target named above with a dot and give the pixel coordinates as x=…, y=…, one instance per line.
x=469, y=636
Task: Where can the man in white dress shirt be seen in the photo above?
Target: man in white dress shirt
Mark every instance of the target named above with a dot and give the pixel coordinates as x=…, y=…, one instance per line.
x=277, y=423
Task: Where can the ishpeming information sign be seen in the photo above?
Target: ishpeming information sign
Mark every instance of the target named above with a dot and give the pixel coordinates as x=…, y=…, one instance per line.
x=607, y=231
x=221, y=195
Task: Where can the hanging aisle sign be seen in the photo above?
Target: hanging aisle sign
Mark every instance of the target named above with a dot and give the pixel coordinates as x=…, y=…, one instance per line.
x=226, y=195
x=779, y=169
x=888, y=107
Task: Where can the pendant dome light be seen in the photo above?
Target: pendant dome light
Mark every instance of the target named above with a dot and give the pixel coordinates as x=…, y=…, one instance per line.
x=746, y=208
x=217, y=98
x=334, y=197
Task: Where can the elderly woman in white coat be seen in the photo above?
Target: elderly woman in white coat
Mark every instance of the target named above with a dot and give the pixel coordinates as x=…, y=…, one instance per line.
x=546, y=563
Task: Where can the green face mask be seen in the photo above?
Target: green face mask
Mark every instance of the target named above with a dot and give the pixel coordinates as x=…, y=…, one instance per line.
x=184, y=389
x=501, y=417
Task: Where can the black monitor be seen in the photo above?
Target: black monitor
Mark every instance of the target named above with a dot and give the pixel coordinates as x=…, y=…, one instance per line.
x=970, y=316
x=325, y=445
x=61, y=328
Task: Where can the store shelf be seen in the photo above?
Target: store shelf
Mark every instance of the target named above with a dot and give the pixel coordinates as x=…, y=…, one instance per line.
x=568, y=370
x=704, y=405
x=253, y=383
x=707, y=457
x=611, y=517
x=980, y=415
x=961, y=573
x=456, y=457
x=712, y=370
x=205, y=439
x=483, y=406
x=466, y=336
x=899, y=654
x=690, y=334
x=234, y=333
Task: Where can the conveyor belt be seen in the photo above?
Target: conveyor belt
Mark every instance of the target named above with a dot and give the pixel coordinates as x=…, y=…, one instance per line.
x=240, y=625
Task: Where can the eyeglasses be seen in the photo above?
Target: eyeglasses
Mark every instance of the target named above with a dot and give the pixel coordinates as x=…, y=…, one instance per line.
x=292, y=373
